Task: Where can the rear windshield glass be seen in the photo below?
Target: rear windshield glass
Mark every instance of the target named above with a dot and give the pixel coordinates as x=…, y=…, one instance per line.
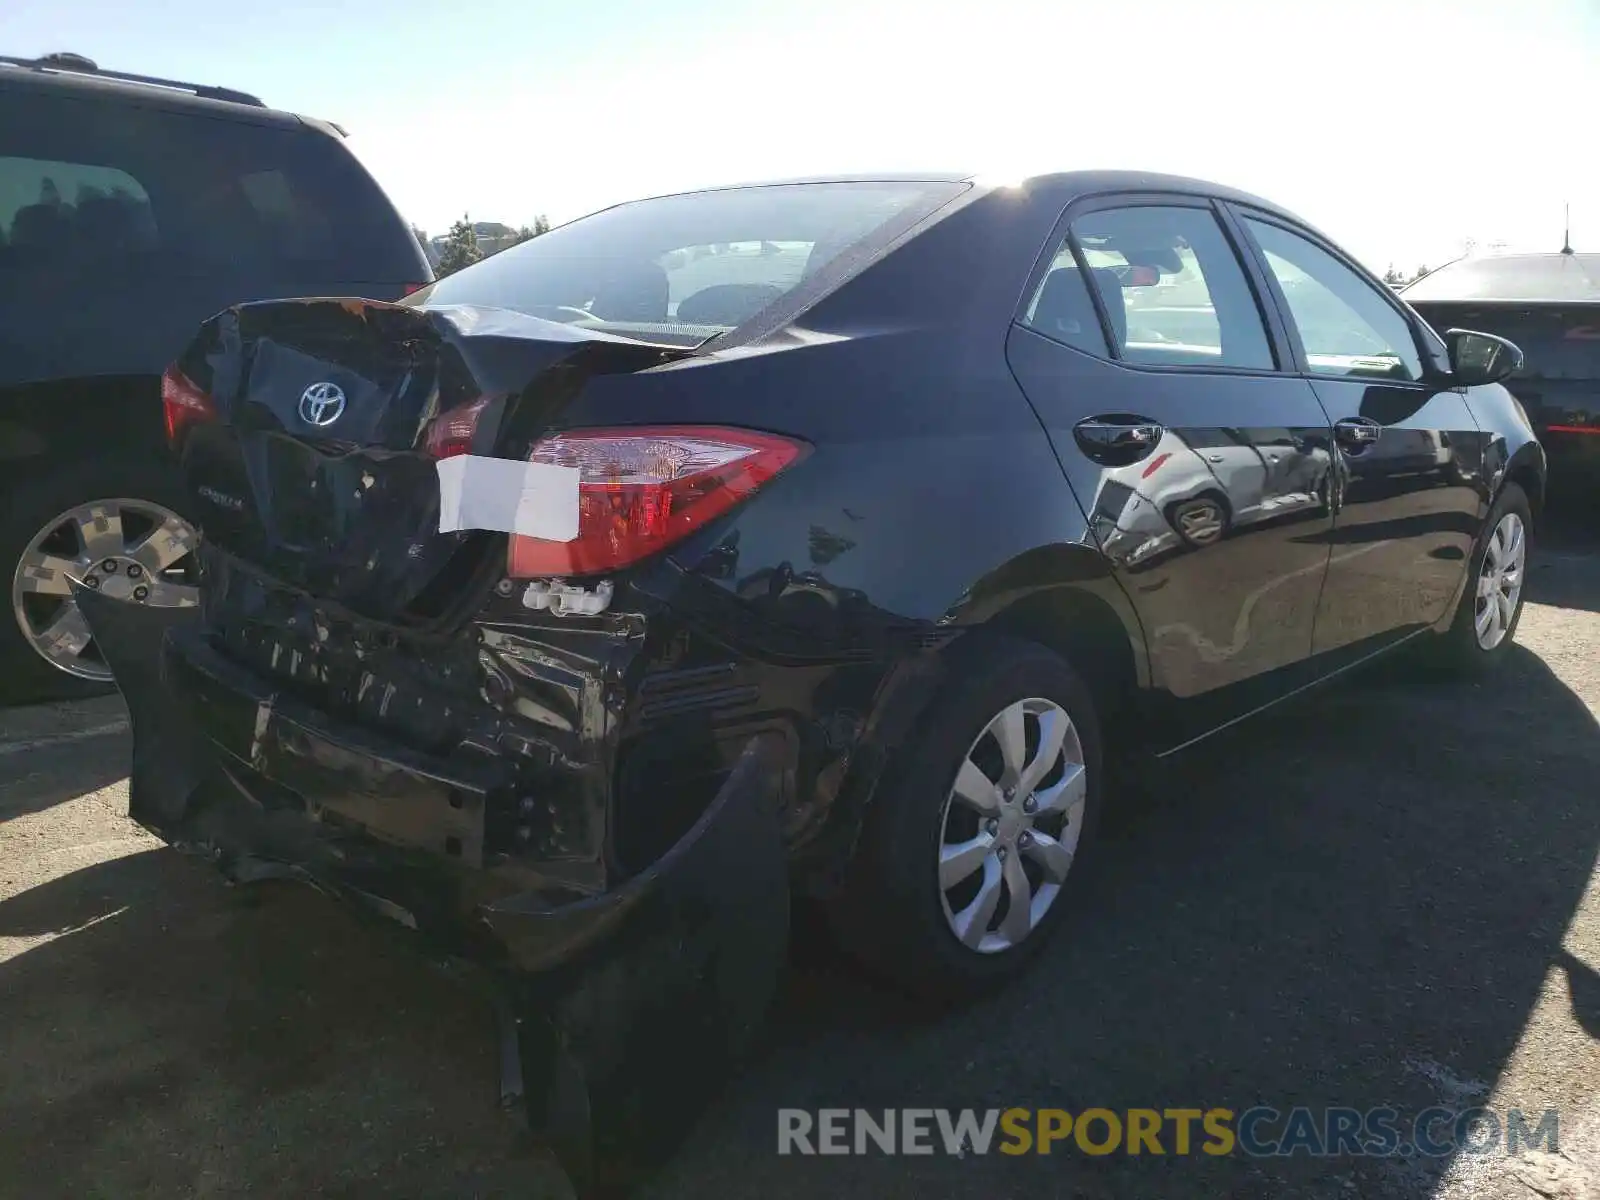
x=1571, y=277
x=112, y=190
x=681, y=269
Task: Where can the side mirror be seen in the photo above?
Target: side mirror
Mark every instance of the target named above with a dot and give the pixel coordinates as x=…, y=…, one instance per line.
x=1479, y=358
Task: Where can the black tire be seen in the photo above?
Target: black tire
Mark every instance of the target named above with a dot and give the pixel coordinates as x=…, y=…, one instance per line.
x=890, y=915
x=25, y=676
x=1458, y=651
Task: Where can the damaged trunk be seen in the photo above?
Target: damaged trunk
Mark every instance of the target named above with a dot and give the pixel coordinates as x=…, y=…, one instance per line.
x=313, y=442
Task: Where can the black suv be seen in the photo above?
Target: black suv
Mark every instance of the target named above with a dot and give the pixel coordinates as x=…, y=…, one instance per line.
x=131, y=209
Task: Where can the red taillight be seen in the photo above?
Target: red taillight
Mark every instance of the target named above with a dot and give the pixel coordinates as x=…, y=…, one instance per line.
x=641, y=490
x=182, y=403
x=407, y=289
x=1154, y=465
x=451, y=433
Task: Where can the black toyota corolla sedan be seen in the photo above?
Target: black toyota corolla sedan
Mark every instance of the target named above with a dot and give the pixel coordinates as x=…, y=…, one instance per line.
x=820, y=538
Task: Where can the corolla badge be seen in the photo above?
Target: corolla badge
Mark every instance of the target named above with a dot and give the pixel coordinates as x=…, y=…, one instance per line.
x=322, y=404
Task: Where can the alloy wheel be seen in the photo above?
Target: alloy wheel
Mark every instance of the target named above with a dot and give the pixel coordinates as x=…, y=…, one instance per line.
x=1500, y=579
x=1200, y=522
x=131, y=550
x=1011, y=825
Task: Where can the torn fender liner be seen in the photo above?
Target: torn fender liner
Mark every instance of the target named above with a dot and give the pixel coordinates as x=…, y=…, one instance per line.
x=636, y=1034
x=632, y=1005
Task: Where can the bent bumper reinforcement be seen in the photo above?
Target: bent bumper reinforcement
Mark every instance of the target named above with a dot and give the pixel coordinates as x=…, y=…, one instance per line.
x=624, y=1010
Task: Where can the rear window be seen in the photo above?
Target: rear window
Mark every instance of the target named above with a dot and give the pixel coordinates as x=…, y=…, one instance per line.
x=1533, y=277
x=122, y=189
x=689, y=267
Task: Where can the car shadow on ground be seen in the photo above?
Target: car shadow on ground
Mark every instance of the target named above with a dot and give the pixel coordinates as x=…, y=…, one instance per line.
x=50, y=753
x=43, y=778
x=180, y=1037
x=1354, y=902
x=1565, y=572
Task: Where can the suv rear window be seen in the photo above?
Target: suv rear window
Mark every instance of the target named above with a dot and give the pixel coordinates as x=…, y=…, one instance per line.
x=114, y=189
x=686, y=268
x=1532, y=277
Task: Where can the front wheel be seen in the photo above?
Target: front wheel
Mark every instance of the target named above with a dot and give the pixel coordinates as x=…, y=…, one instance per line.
x=973, y=843
x=1480, y=636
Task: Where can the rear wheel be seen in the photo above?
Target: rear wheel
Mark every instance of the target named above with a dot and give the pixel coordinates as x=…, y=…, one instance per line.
x=1200, y=521
x=126, y=541
x=972, y=846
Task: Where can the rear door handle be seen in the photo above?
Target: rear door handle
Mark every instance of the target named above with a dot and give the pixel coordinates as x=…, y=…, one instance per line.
x=1126, y=439
x=1357, y=433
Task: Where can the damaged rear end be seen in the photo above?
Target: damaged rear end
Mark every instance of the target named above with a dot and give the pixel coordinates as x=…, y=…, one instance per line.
x=475, y=647
x=410, y=670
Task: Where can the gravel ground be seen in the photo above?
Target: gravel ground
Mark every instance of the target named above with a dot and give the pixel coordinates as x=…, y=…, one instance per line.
x=1383, y=895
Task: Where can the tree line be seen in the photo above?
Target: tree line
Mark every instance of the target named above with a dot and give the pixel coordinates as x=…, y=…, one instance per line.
x=1399, y=278
x=462, y=248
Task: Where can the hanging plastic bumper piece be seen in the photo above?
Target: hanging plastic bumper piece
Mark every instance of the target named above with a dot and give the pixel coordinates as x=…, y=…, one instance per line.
x=628, y=1008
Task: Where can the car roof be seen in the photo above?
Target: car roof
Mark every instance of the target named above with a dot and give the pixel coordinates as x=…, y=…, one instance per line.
x=1088, y=183
x=1061, y=185
x=46, y=77
x=1559, y=277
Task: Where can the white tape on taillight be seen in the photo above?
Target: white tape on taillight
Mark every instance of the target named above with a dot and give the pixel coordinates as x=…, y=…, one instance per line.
x=537, y=500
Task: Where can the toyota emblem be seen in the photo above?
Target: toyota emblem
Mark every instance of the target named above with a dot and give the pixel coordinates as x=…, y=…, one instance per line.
x=322, y=404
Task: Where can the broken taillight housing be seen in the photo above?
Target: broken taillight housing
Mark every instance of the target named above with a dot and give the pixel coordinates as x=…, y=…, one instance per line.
x=451, y=433
x=182, y=403
x=642, y=490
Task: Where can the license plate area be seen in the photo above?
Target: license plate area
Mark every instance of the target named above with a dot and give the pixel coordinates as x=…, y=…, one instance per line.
x=423, y=693
x=343, y=781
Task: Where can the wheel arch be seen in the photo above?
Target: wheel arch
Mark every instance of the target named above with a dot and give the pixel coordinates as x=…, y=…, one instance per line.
x=1061, y=597
x=1526, y=469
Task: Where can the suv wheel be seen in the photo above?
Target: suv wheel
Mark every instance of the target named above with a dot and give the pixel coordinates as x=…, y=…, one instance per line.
x=973, y=843
x=137, y=550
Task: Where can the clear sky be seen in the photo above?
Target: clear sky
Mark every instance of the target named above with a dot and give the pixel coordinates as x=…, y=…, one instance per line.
x=1401, y=127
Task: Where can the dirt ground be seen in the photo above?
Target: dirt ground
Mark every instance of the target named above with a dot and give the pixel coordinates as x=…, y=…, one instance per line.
x=1386, y=894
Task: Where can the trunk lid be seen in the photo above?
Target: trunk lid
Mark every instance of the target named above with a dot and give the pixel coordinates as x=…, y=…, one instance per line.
x=317, y=469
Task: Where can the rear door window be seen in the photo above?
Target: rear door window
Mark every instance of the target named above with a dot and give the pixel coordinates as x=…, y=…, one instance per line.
x=1172, y=288
x=123, y=190
x=1062, y=309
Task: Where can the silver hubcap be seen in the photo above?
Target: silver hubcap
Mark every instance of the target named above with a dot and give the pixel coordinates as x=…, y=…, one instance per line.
x=130, y=550
x=1011, y=825
x=1500, y=579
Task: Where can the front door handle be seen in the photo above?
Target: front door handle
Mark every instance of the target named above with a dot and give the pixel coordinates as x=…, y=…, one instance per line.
x=1357, y=433
x=1125, y=439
